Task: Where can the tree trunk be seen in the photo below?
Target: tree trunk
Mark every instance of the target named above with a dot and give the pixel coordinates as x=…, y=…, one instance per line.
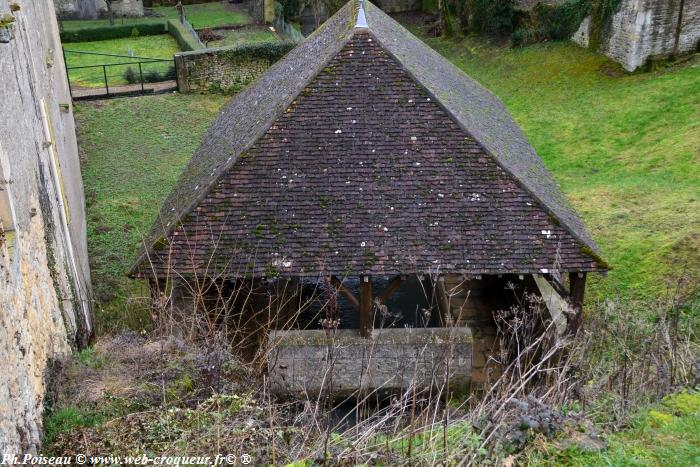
x=679, y=28
x=110, y=13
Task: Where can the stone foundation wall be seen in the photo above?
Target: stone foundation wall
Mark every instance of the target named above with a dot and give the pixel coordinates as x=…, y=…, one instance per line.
x=646, y=28
x=93, y=9
x=45, y=307
x=390, y=361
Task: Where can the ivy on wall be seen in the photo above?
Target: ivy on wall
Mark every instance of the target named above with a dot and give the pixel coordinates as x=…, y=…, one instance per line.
x=543, y=22
x=601, y=13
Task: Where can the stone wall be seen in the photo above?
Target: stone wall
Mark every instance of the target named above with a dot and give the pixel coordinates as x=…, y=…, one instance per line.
x=93, y=9
x=392, y=360
x=45, y=294
x=227, y=69
x=397, y=6
x=645, y=28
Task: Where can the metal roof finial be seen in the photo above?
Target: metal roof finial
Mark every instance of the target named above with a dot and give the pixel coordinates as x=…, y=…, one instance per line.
x=361, y=18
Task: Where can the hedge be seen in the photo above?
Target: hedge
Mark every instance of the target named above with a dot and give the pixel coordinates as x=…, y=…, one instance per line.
x=558, y=22
x=271, y=51
x=551, y=22
x=184, y=38
x=113, y=32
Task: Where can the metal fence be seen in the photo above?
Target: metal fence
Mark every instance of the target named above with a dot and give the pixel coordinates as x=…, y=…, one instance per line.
x=128, y=75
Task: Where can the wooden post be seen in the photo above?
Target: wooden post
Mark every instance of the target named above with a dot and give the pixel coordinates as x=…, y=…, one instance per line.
x=443, y=302
x=366, y=305
x=155, y=297
x=577, y=286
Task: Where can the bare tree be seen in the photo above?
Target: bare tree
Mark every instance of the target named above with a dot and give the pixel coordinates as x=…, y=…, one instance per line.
x=110, y=11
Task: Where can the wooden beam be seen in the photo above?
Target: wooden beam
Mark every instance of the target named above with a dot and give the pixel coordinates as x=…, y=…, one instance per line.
x=577, y=287
x=556, y=285
x=390, y=288
x=366, y=306
x=156, y=291
x=577, y=284
x=346, y=293
x=443, y=302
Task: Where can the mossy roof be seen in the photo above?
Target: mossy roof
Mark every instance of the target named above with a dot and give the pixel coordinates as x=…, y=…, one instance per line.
x=483, y=118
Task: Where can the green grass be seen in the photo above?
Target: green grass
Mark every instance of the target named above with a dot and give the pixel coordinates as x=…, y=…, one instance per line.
x=134, y=150
x=624, y=148
x=207, y=15
x=67, y=419
x=243, y=36
x=667, y=434
x=203, y=15
x=160, y=46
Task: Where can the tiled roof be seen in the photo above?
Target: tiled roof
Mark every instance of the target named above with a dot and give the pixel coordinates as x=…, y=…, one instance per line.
x=363, y=151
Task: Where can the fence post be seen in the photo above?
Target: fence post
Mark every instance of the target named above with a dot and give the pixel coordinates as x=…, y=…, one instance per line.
x=104, y=71
x=65, y=65
x=183, y=84
x=141, y=76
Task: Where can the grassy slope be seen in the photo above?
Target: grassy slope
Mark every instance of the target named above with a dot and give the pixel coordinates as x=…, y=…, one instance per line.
x=207, y=15
x=134, y=150
x=666, y=434
x=160, y=46
x=624, y=148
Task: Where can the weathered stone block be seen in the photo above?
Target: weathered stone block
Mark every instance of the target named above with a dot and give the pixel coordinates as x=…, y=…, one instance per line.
x=302, y=362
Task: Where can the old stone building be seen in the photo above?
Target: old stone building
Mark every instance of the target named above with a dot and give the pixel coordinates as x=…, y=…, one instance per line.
x=365, y=160
x=93, y=9
x=45, y=308
x=643, y=29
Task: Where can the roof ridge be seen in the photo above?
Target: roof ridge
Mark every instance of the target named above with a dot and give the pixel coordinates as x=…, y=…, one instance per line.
x=361, y=22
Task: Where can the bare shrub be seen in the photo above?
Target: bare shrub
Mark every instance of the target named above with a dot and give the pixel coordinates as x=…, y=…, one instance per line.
x=623, y=357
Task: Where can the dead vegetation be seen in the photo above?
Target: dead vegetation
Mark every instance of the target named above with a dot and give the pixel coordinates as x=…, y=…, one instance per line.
x=198, y=394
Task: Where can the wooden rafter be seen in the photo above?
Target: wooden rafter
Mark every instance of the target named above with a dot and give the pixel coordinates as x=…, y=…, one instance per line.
x=365, y=304
x=346, y=293
x=390, y=288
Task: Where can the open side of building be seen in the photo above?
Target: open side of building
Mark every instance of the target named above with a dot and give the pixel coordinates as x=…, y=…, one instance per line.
x=365, y=162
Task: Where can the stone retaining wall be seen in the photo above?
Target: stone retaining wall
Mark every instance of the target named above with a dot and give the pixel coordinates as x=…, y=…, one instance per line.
x=226, y=70
x=45, y=307
x=642, y=29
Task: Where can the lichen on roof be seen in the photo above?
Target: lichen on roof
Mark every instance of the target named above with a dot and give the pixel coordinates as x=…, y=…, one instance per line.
x=481, y=116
